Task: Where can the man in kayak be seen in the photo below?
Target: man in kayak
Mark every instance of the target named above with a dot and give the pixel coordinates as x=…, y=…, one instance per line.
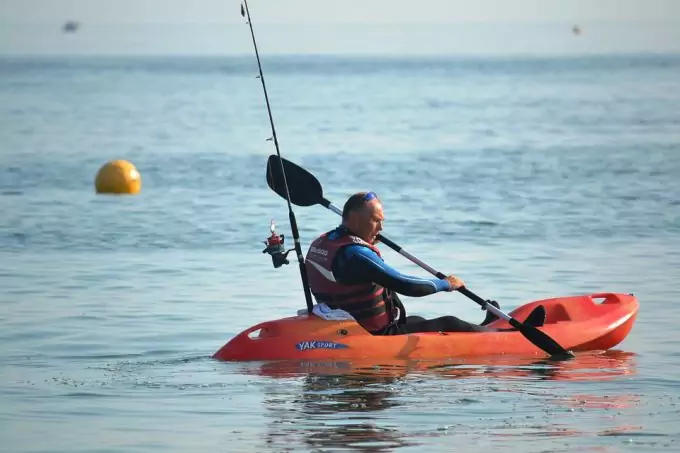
x=346, y=271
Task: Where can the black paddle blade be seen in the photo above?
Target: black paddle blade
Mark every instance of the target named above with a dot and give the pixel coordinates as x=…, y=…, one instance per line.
x=304, y=188
x=542, y=340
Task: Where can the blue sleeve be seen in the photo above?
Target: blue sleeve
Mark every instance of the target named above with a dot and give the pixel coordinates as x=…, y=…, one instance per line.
x=356, y=264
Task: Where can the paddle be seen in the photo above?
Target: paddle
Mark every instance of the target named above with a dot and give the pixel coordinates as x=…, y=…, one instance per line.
x=306, y=190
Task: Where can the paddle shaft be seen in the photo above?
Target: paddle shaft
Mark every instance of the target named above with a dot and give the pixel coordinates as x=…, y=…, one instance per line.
x=405, y=253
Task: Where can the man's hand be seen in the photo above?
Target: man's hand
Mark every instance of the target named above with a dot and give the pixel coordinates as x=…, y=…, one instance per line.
x=455, y=282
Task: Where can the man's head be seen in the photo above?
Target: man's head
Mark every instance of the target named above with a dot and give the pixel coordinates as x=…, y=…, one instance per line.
x=363, y=215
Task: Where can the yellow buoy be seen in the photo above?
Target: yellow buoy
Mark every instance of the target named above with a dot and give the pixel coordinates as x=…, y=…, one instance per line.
x=118, y=177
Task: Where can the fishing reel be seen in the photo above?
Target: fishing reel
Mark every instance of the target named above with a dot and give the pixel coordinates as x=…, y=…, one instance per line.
x=275, y=247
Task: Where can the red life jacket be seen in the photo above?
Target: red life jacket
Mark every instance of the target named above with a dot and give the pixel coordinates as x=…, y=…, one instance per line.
x=365, y=302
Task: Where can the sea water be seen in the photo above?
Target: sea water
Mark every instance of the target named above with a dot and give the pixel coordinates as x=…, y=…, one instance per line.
x=527, y=177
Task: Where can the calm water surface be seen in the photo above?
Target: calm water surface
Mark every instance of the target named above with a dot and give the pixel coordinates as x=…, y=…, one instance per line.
x=529, y=178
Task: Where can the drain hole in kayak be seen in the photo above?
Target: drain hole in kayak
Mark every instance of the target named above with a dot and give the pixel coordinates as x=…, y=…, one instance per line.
x=267, y=331
x=255, y=334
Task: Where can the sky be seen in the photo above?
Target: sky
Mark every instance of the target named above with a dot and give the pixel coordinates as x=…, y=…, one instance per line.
x=199, y=27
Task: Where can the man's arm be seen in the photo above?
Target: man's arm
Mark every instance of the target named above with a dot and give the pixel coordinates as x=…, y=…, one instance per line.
x=356, y=264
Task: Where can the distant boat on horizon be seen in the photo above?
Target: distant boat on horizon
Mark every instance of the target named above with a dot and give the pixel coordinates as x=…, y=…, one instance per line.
x=70, y=26
x=576, y=30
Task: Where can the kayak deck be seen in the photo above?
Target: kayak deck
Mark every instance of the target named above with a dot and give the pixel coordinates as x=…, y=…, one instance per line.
x=578, y=323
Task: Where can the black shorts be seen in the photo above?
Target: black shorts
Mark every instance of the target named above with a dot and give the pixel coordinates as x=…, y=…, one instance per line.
x=414, y=324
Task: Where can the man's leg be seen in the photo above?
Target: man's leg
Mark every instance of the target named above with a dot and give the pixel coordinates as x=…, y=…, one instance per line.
x=442, y=324
x=414, y=318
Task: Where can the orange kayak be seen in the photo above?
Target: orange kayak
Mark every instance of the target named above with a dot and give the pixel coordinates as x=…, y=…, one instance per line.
x=578, y=323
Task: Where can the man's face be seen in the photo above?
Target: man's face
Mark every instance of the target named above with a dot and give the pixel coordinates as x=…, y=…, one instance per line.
x=367, y=222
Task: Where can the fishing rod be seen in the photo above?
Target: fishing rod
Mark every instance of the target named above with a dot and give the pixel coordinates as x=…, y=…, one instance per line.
x=245, y=12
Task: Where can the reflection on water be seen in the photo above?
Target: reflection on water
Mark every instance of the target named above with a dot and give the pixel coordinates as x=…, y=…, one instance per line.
x=598, y=366
x=336, y=411
x=347, y=405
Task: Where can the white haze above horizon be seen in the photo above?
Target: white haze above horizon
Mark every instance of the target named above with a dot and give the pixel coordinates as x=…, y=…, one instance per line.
x=212, y=27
